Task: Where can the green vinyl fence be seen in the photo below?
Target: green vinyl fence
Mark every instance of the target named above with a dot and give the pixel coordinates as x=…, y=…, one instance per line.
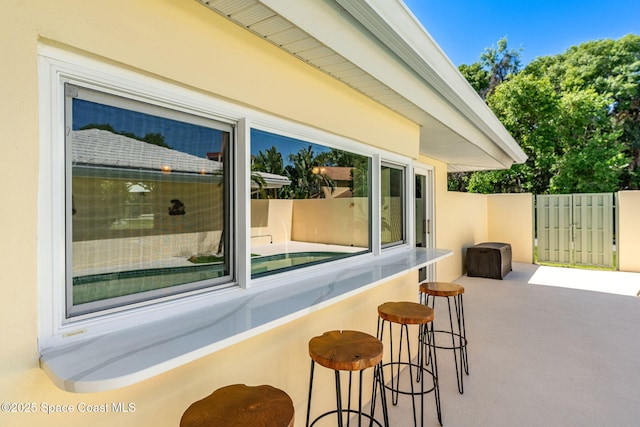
x=576, y=229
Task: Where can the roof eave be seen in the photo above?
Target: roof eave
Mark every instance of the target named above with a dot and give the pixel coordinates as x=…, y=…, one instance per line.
x=398, y=64
x=400, y=31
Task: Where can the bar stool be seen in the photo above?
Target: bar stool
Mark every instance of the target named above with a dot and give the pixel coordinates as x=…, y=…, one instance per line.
x=239, y=405
x=349, y=351
x=428, y=293
x=405, y=314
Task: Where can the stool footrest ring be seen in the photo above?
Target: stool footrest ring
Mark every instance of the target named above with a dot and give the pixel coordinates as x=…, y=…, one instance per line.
x=463, y=340
x=413, y=365
x=347, y=411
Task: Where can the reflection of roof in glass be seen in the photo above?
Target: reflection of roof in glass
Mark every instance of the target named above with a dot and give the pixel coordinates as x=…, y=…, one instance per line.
x=103, y=149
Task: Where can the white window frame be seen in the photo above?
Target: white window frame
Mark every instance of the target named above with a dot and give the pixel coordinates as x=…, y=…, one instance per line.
x=123, y=101
x=55, y=67
x=406, y=169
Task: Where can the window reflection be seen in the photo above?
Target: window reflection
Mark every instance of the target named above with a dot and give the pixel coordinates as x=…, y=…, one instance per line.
x=148, y=201
x=319, y=210
x=392, y=205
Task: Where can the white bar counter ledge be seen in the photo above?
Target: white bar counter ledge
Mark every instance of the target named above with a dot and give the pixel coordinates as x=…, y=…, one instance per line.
x=125, y=357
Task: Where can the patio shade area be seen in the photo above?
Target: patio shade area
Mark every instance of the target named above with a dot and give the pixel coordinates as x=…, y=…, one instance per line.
x=541, y=354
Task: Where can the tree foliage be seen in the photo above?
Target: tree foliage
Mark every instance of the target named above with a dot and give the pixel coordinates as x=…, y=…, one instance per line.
x=304, y=170
x=496, y=65
x=151, y=138
x=576, y=115
x=306, y=181
x=269, y=161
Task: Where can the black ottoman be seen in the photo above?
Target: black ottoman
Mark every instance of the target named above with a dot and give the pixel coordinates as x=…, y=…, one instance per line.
x=490, y=259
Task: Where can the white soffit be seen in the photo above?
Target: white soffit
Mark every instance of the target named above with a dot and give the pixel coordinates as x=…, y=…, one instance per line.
x=380, y=49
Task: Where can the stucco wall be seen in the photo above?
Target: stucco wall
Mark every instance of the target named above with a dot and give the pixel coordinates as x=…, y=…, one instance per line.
x=278, y=357
x=332, y=221
x=475, y=218
x=464, y=219
x=463, y=225
x=460, y=221
x=628, y=231
x=510, y=220
x=184, y=43
x=271, y=221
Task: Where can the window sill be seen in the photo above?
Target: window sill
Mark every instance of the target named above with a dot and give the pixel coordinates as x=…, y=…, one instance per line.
x=126, y=357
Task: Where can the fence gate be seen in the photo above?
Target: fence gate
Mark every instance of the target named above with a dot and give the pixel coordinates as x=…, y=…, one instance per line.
x=576, y=229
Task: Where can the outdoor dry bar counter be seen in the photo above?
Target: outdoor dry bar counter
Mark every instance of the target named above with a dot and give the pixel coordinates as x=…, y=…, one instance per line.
x=126, y=357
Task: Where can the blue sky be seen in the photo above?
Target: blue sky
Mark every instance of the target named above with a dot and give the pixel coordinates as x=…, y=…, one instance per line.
x=464, y=28
x=186, y=137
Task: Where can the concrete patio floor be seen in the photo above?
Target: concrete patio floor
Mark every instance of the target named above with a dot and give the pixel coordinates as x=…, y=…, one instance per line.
x=543, y=352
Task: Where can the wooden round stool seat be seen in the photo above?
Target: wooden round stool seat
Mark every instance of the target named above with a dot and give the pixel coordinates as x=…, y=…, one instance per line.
x=405, y=313
x=350, y=351
x=241, y=406
x=402, y=364
x=441, y=289
x=346, y=350
x=429, y=292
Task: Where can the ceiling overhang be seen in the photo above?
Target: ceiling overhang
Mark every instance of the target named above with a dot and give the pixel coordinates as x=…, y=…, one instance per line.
x=379, y=48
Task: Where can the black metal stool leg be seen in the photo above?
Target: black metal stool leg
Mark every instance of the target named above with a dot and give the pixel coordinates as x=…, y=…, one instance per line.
x=455, y=347
x=338, y=398
x=310, y=388
x=404, y=357
x=383, y=395
x=457, y=332
x=434, y=373
x=463, y=334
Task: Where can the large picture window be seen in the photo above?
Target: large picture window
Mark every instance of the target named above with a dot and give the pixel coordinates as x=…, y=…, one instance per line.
x=314, y=207
x=155, y=200
x=148, y=201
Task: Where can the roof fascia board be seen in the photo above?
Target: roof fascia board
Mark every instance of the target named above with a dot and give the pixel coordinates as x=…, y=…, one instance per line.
x=407, y=37
x=413, y=78
x=328, y=23
x=446, y=145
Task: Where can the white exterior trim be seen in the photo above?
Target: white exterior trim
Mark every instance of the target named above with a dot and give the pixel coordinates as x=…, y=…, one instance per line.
x=394, y=60
x=57, y=66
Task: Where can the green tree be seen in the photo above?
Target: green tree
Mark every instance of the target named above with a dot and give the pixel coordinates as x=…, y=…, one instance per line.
x=306, y=180
x=576, y=115
x=496, y=65
x=501, y=62
x=529, y=108
x=611, y=68
x=477, y=77
x=269, y=161
x=592, y=155
x=360, y=177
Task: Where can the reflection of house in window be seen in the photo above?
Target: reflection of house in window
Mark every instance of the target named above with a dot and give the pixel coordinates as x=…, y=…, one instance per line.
x=218, y=156
x=342, y=178
x=121, y=183
x=131, y=184
x=144, y=207
x=138, y=209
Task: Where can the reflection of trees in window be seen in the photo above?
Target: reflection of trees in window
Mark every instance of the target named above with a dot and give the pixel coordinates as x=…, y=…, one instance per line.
x=269, y=161
x=307, y=172
x=360, y=177
x=306, y=175
x=152, y=138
